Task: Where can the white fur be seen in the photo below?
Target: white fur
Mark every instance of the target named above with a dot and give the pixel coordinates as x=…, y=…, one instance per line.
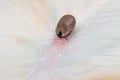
x=27, y=28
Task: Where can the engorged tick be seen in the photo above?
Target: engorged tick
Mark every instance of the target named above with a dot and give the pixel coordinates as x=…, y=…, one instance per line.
x=65, y=26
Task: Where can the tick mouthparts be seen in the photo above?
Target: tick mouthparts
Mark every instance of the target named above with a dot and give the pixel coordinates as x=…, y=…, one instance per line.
x=59, y=34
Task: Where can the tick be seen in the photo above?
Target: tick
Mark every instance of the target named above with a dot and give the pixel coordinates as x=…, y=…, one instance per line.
x=65, y=26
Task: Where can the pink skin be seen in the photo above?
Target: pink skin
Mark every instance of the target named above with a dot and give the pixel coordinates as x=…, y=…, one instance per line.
x=59, y=42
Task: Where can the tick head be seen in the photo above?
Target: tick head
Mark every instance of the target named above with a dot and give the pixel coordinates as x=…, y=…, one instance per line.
x=59, y=34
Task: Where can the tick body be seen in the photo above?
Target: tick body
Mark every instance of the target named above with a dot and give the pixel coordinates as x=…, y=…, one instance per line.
x=65, y=26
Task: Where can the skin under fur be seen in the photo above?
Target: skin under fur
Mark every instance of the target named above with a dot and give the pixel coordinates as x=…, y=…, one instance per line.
x=30, y=49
